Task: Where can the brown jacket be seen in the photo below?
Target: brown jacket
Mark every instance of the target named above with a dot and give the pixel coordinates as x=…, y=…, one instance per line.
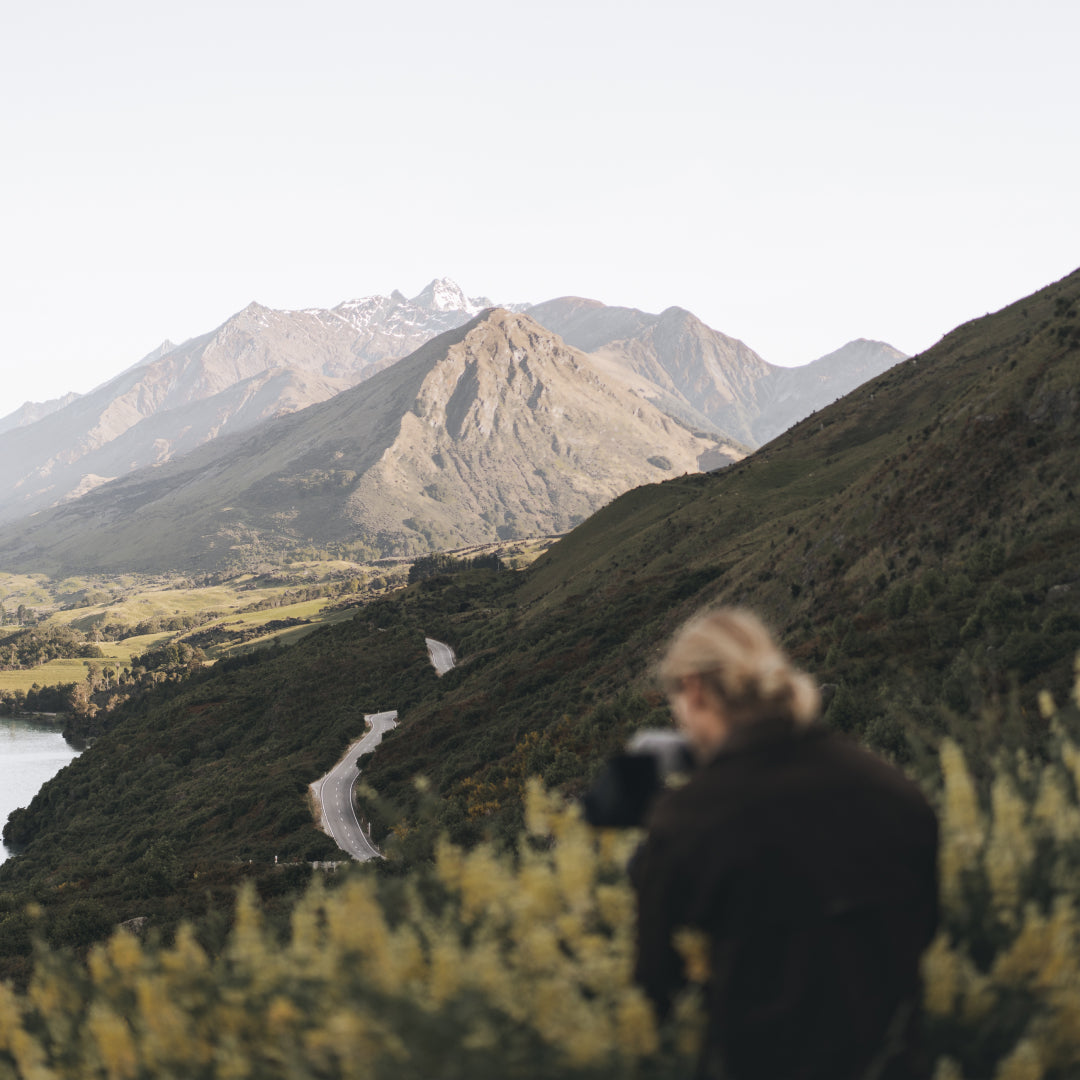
x=812, y=866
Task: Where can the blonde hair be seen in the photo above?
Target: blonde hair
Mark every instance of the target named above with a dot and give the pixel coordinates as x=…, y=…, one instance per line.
x=741, y=665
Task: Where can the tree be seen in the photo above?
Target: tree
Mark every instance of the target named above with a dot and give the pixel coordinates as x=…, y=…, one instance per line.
x=93, y=675
x=79, y=700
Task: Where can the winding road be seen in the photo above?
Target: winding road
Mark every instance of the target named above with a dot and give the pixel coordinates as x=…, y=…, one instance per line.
x=334, y=791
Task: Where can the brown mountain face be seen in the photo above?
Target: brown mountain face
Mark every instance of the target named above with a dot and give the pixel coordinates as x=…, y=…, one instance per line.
x=496, y=429
x=258, y=364
x=673, y=359
x=515, y=429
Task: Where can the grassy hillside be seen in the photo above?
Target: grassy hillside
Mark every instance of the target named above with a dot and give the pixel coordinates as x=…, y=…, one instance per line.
x=914, y=545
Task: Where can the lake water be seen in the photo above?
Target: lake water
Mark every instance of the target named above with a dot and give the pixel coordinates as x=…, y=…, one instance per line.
x=30, y=754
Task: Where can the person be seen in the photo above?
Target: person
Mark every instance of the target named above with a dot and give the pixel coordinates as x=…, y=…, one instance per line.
x=810, y=864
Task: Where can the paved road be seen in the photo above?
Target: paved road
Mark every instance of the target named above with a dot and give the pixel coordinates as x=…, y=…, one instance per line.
x=336, y=787
x=442, y=656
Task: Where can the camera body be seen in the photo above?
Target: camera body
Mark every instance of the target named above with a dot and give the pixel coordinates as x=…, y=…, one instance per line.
x=629, y=782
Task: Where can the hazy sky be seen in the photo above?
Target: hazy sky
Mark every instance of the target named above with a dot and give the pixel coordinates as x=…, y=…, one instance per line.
x=797, y=174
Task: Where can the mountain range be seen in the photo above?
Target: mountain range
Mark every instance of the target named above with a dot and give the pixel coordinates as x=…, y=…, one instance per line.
x=259, y=364
x=496, y=429
x=659, y=393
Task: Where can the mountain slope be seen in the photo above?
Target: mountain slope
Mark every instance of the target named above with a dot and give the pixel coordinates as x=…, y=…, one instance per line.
x=793, y=393
x=33, y=411
x=496, y=429
x=179, y=397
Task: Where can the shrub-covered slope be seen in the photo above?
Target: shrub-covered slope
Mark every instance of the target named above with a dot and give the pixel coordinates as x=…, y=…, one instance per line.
x=195, y=786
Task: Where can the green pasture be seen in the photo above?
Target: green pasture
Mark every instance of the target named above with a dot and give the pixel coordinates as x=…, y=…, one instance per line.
x=58, y=672
x=29, y=589
x=162, y=604
x=293, y=634
x=305, y=609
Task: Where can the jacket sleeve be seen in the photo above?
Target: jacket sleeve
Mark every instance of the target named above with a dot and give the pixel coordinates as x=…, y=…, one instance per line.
x=661, y=894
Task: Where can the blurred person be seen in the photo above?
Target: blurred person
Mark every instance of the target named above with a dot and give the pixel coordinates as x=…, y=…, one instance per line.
x=810, y=864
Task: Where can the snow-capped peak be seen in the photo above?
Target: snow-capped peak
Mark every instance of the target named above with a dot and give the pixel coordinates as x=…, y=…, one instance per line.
x=442, y=294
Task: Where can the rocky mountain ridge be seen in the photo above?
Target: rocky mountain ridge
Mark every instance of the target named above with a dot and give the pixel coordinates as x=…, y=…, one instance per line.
x=258, y=364
x=496, y=429
x=695, y=372
x=263, y=363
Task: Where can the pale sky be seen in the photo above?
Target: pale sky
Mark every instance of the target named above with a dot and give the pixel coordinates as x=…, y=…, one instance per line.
x=797, y=174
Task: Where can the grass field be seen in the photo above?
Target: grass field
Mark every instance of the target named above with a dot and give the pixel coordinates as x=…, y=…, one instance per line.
x=126, y=600
x=293, y=634
x=58, y=672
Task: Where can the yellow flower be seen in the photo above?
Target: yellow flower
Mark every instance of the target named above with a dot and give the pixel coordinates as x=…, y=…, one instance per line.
x=445, y=969
x=636, y=1025
x=1024, y=1063
x=1055, y=808
x=963, y=829
x=942, y=977
x=1011, y=849
x=115, y=1044
x=947, y=1069
x=125, y=953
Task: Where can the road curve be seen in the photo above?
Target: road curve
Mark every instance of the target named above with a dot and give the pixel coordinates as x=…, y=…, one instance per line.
x=442, y=656
x=334, y=791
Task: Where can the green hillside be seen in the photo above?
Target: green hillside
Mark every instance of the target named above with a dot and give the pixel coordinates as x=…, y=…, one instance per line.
x=914, y=544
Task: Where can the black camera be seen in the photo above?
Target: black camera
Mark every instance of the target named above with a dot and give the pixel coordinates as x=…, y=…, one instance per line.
x=628, y=783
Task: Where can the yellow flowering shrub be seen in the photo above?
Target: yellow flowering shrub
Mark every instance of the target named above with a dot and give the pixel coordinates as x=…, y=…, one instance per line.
x=489, y=965
x=503, y=965
x=1002, y=979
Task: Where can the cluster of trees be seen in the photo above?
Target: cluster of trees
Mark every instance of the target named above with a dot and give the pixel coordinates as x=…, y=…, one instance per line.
x=30, y=648
x=348, y=587
x=106, y=686
x=38, y=699
x=162, y=624
x=21, y=616
x=429, y=566
x=221, y=635
x=94, y=598
x=360, y=551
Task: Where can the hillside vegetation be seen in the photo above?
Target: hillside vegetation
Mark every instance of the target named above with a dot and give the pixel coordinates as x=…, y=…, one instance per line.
x=913, y=544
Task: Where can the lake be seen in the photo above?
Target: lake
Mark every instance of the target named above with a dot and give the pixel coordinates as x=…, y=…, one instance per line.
x=30, y=754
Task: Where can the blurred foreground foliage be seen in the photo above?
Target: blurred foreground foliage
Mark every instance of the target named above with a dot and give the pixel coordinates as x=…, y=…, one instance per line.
x=496, y=963
x=484, y=964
